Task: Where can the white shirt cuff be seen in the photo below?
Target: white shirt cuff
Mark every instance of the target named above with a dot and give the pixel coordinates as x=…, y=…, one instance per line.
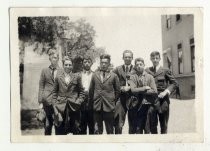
x=168, y=91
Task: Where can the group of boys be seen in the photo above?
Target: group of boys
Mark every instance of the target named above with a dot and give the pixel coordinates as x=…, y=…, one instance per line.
x=79, y=103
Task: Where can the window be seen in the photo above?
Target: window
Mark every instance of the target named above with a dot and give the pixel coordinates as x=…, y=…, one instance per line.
x=180, y=59
x=192, y=51
x=193, y=88
x=178, y=17
x=168, y=21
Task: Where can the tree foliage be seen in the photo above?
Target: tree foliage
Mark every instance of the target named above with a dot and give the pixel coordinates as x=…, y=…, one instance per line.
x=78, y=36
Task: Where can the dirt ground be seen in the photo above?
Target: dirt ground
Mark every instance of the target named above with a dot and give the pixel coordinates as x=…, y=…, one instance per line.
x=181, y=120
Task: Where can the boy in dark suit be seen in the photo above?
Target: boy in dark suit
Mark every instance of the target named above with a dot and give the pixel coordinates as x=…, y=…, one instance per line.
x=46, y=83
x=104, y=91
x=123, y=72
x=166, y=83
x=68, y=95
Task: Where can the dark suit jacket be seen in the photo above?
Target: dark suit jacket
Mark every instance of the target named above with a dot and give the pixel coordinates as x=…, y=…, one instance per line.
x=120, y=71
x=104, y=93
x=164, y=79
x=71, y=95
x=46, y=84
x=124, y=96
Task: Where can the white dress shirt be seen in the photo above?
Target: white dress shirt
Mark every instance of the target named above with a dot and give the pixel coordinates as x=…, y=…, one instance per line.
x=86, y=78
x=67, y=78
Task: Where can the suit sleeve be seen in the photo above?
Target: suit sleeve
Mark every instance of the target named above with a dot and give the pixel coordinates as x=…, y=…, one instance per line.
x=171, y=80
x=91, y=88
x=152, y=85
x=117, y=87
x=134, y=88
x=81, y=90
x=115, y=71
x=55, y=91
x=41, y=86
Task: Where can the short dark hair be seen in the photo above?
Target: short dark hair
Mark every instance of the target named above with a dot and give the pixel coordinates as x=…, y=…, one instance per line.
x=86, y=57
x=105, y=56
x=155, y=53
x=65, y=58
x=127, y=51
x=139, y=59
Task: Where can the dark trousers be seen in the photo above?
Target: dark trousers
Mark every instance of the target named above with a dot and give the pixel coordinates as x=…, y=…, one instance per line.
x=107, y=117
x=119, y=117
x=70, y=124
x=87, y=121
x=146, y=120
x=132, y=120
x=48, y=123
x=163, y=119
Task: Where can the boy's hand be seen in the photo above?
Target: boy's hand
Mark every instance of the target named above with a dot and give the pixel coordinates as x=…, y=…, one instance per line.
x=147, y=88
x=40, y=106
x=127, y=88
x=162, y=94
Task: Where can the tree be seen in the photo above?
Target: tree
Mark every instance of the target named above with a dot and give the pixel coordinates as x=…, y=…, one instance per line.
x=75, y=37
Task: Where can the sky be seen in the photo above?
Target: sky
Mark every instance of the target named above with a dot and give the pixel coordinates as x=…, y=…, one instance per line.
x=141, y=34
x=117, y=30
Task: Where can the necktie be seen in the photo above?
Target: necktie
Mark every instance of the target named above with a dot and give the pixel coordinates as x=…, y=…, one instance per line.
x=126, y=69
x=53, y=72
x=103, y=75
x=154, y=69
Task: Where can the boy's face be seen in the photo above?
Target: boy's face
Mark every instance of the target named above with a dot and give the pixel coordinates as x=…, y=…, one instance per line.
x=87, y=63
x=127, y=57
x=67, y=66
x=54, y=60
x=155, y=60
x=139, y=66
x=104, y=64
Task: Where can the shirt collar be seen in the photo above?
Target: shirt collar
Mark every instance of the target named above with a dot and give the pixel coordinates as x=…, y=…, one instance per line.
x=52, y=68
x=107, y=71
x=129, y=66
x=86, y=72
x=67, y=74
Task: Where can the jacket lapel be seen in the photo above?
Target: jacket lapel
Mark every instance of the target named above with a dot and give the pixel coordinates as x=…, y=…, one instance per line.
x=107, y=77
x=159, y=71
x=97, y=73
x=122, y=71
x=72, y=77
x=62, y=77
x=131, y=68
x=49, y=72
x=150, y=70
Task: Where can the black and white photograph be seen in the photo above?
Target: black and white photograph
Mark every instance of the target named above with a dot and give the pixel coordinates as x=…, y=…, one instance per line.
x=106, y=74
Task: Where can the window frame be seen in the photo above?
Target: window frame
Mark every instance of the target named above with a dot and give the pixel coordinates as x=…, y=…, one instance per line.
x=179, y=63
x=192, y=55
x=168, y=22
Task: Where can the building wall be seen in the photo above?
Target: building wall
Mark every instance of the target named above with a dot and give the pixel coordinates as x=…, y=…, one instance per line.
x=180, y=32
